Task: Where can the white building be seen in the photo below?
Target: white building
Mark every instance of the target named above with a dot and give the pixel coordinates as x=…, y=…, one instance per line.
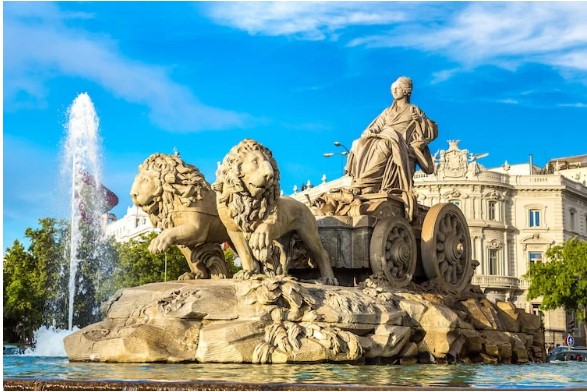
x=134, y=223
x=515, y=214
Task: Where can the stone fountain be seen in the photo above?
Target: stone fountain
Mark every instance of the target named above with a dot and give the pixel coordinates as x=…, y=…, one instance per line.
x=360, y=274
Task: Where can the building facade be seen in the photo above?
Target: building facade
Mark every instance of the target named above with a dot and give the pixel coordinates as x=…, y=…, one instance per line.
x=515, y=214
x=134, y=223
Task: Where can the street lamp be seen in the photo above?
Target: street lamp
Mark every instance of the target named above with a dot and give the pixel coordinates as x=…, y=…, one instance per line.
x=342, y=154
x=339, y=144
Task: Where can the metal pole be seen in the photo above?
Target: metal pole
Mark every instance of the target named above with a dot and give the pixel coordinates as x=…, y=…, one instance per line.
x=165, y=277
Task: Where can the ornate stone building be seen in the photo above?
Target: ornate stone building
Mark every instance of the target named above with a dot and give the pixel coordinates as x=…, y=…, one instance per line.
x=134, y=223
x=515, y=214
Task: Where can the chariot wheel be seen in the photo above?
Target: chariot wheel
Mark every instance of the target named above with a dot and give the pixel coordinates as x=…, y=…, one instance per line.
x=393, y=250
x=446, y=246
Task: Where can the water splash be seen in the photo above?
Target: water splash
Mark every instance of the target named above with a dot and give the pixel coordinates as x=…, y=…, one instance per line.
x=82, y=165
x=49, y=342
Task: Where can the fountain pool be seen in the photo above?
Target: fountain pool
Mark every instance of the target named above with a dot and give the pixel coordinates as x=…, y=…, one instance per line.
x=32, y=371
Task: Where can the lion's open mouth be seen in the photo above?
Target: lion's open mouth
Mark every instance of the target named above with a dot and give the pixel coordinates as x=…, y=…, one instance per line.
x=147, y=207
x=257, y=186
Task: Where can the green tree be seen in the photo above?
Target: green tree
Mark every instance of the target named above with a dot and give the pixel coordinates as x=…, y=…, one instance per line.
x=48, y=245
x=137, y=266
x=22, y=304
x=562, y=280
x=230, y=257
x=33, y=287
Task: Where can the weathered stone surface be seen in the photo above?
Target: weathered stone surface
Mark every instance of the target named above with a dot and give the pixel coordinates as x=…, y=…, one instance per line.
x=388, y=341
x=440, y=341
x=519, y=350
x=414, y=309
x=530, y=323
x=282, y=320
x=409, y=354
x=439, y=316
x=508, y=315
x=119, y=341
x=488, y=359
x=232, y=341
x=474, y=341
x=498, y=344
x=482, y=314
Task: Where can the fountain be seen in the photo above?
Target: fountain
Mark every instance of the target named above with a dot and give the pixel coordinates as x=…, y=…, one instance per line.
x=399, y=301
x=82, y=159
x=360, y=274
x=81, y=169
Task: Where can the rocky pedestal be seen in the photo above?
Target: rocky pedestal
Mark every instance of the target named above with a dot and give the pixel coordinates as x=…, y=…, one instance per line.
x=279, y=320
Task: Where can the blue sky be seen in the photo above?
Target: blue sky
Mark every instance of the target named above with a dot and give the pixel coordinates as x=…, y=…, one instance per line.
x=508, y=78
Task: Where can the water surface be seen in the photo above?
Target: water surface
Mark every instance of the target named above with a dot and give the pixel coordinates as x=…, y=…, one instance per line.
x=570, y=375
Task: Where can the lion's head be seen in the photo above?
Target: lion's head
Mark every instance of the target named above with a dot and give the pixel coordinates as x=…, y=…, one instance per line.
x=164, y=181
x=247, y=182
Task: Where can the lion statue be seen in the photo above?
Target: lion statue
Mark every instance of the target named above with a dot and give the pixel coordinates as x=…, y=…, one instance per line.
x=178, y=200
x=260, y=222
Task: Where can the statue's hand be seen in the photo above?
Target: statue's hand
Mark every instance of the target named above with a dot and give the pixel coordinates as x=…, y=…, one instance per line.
x=160, y=243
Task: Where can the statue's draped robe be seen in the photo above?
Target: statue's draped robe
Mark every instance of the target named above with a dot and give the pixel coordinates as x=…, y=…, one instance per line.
x=384, y=158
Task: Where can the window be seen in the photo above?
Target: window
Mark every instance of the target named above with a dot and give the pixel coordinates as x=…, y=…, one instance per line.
x=534, y=218
x=535, y=257
x=491, y=210
x=536, y=309
x=492, y=262
x=572, y=220
x=456, y=203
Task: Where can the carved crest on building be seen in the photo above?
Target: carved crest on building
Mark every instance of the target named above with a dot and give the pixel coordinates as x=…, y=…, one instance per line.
x=454, y=161
x=494, y=195
x=495, y=244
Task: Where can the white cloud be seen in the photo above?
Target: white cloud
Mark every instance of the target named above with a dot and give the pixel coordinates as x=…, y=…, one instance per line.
x=37, y=39
x=506, y=34
x=305, y=20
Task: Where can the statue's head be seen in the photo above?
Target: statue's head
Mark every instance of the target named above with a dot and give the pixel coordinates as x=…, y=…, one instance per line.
x=165, y=182
x=249, y=168
x=402, y=87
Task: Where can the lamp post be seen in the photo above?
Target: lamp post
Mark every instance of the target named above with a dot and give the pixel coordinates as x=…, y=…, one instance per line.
x=342, y=154
x=339, y=144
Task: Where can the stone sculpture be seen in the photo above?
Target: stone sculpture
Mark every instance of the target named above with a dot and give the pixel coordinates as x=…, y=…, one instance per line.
x=416, y=303
x=178, y=200
x=384, y=158
x=257, y=219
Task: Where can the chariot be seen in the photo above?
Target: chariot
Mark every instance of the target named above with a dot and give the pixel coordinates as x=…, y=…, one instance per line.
x=370, y=234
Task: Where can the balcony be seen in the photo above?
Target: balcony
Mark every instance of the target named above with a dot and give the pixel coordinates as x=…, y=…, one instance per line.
x=498, y=282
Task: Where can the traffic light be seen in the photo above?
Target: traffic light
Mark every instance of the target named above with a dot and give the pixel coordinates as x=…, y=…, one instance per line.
x=571, y=326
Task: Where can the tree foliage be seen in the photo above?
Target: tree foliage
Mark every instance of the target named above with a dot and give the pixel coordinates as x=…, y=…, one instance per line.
x=32, y=280
x=562, y=280
x=36, y=280
x=137, y=266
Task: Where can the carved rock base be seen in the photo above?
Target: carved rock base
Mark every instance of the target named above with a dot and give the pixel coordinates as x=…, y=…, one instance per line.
x=281, y=320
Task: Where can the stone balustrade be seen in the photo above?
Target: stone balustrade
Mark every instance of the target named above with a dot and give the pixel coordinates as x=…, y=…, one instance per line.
x=496, y=281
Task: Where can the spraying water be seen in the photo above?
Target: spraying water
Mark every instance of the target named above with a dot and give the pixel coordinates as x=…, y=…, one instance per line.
x=82, y=163
x=81, y=168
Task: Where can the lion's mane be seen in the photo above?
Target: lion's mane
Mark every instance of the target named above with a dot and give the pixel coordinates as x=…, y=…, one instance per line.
x=246, y=211
x=177, y=181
